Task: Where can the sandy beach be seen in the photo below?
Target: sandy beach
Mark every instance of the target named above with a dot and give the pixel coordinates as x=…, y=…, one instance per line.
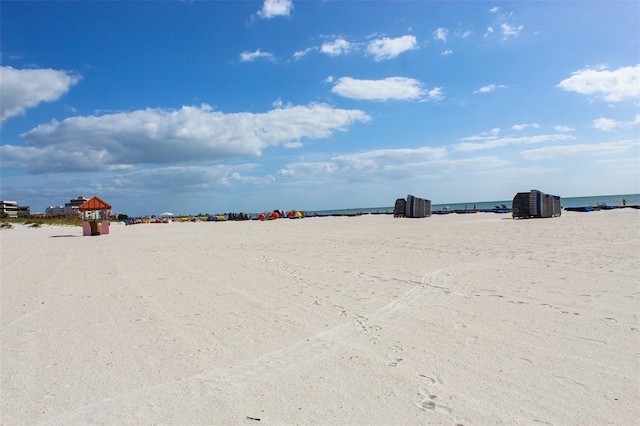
x=450, y=320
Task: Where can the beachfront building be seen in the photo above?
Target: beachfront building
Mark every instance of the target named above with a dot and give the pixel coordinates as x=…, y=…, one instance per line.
x=8, y=208
x=24, y=211
x=68, y=211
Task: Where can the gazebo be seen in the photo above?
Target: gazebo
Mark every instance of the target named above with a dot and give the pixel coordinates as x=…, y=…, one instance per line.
x=95, y=213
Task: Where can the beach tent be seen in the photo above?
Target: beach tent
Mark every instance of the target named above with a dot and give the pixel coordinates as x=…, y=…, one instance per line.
x=95, y=211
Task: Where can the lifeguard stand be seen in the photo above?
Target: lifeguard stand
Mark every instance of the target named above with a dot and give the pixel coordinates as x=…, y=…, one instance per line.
x=95, y=213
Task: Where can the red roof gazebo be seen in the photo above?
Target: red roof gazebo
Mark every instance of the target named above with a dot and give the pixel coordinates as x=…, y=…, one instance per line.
x=96, y=223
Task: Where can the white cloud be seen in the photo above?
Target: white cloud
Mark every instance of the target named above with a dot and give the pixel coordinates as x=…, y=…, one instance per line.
x=396, y=88
x=490, y=88
x=447, y=52
x=26, y=88
x=490, y=135
x=387, y=48
x=582, y=150
x=394, y=164
x=563, y=129
x=510, y=30
x=490, y=143
x=159, y=136
x=612, y=86
x=605, y=124
x=608, y=124
x=494, y=9
x=520, y=127
x=302, y=53
x=189, y=178
x=434, y=94
x=337, y=47
x=441, y=34
x=252, y=56
x=273, y=8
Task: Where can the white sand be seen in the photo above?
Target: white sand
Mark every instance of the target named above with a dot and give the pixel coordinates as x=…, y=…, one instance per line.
x=458, y=319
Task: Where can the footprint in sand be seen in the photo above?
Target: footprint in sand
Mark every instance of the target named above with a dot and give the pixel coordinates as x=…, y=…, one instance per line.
x=428, y=399
x=470, y=340
x=394, y=362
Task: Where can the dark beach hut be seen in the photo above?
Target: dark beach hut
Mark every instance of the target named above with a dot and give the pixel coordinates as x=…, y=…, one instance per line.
x=399, y=210
x=536, y=204
x=412, y=207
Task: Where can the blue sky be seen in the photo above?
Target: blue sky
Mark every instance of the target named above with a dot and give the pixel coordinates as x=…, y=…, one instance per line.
x=209, y=106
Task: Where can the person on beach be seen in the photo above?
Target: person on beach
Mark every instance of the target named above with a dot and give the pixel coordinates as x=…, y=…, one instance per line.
x=624, y=202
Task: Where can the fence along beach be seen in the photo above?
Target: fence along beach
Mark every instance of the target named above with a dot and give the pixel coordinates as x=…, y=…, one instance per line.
x=455, y=319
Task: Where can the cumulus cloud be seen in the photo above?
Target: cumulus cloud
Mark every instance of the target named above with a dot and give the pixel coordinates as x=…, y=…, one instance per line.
x=252, y=56
x=496, y=142
x=612, y=86
x=159, y=136
x=582, y=150
x=387, y=48
x=563, y=129
x=391, y=88
x=337, y=47
x=490, y=88
x=441, y=34
x=26, y=88
x=608, y=124
x=273, y=8
x=447, y=52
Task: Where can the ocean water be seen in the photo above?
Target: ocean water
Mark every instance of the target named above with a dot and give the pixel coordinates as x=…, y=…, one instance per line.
x=591, y=201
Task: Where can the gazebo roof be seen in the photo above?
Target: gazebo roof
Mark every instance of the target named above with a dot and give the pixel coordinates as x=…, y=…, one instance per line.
x=94, y=203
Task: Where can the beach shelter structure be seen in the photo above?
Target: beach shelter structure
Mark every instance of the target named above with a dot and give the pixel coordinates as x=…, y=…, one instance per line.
x=95, y=213
x=536, y=204
x=412, y=207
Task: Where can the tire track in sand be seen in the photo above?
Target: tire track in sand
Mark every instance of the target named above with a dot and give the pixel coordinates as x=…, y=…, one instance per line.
x=203, y=387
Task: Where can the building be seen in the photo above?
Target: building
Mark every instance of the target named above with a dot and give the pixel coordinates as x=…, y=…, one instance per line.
x=68, y=211
x=8, y=208
x=24, y=211
x=76, y=202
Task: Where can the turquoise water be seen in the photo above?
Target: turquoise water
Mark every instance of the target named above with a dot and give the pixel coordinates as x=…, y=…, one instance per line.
x=609, y=200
